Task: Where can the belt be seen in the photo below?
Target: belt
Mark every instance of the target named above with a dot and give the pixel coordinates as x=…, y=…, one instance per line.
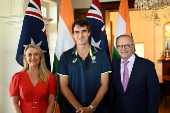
x=33, y=105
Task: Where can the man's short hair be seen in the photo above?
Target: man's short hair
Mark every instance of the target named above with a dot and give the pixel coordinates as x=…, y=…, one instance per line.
x=81, y=23
x=124, y=35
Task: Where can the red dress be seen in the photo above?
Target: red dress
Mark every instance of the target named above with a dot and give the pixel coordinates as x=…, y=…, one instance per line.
x=33, y=99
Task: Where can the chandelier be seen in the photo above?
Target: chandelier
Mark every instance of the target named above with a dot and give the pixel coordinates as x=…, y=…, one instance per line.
x=153, y=6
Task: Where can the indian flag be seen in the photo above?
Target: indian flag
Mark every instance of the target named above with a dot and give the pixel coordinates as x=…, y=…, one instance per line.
x=63, y=43
x=64, y=37
x=122, y=27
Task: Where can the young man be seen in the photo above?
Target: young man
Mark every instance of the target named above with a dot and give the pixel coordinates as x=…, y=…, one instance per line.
x=134, y=83
x=84, y=73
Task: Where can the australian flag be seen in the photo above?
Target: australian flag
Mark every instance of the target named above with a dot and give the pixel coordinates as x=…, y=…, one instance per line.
x=98, y=36
x=33, y=32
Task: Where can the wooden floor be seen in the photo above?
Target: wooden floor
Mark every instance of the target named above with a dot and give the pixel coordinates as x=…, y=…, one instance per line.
x=162, y=107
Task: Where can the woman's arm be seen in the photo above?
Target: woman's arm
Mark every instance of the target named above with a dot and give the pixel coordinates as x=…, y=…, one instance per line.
x=51, y=103
x=14, y=103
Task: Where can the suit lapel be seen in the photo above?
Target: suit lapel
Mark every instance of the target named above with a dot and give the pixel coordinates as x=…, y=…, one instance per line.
x=135, y=70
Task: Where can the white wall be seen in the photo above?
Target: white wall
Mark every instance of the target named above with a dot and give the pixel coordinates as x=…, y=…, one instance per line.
x=52, y=29
x=9, y=37
x=8, y=45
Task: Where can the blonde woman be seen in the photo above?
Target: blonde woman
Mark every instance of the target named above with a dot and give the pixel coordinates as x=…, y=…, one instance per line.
x=33, y=89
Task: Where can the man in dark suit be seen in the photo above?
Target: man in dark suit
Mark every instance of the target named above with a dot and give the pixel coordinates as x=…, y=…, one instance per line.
x=134, y=86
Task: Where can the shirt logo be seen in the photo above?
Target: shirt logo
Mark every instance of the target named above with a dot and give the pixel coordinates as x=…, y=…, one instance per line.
x=74, y=60
x=93, y=59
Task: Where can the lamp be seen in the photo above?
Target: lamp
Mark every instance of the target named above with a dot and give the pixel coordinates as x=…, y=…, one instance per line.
x=154, y=6
x=166, y=35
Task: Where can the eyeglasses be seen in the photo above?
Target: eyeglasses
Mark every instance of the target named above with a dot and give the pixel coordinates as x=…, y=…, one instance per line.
x=127, y=46
x=86, y=66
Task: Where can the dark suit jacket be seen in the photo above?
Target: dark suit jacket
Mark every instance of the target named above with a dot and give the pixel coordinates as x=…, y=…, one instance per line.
x=142, y=93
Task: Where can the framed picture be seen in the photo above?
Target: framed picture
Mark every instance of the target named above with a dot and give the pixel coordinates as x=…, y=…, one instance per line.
x=139, y=49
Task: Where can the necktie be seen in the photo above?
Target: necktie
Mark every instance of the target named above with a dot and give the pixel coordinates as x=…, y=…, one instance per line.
x=125, y=75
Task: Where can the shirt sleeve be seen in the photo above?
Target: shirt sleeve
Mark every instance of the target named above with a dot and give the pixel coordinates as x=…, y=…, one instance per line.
x=106, y=64
x=14, y=85
x=52, y=84
x=63, y=65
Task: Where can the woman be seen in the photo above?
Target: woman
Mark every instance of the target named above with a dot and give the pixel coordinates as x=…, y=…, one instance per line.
x=33, y=89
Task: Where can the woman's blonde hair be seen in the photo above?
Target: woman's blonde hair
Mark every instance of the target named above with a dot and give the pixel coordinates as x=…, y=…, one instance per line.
x=42, y=69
